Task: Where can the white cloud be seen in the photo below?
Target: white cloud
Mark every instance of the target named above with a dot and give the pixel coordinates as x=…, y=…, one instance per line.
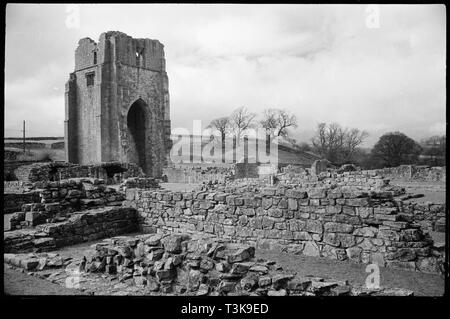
x=319, y=61
x=438, y=128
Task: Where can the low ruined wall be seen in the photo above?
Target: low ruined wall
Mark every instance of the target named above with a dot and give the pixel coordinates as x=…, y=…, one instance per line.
x=9, y=168
x=56, y=199
x=15, y=184
x=430, y=216
x=246, y=170
x=10, y=155
x=160, y=265
x=368, y=180
x=197, y=174
x=12, y=202
x=414, y=173
x=205, y=174
x=78, y=190
x=81, y=227
x=139, y=182
x=296, y=169
x=336, y=223
x=57, y=145
x=54, y=171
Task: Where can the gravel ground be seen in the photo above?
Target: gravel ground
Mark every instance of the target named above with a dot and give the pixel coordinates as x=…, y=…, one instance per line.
x=433, y=191
x=422, y=284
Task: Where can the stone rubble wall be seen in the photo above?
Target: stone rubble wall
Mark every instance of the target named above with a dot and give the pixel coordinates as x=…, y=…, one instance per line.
x=360, y=180
x=403, y=173
x=414, y=173
x=368, y=180
x=83, y=226
x=179, y=264
x=13, y=202
x=139, y=182
x=198, y=175
x=15, y=184
x=296, y=169
x=54, y=171
x=10, y=155
x=246, y=170
x=57, y=199
x=57, y=145
x=431, y=216
x=9, y=168
x=338, y=223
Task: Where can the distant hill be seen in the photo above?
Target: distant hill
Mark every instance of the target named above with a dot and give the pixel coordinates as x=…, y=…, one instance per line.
x=287, y=152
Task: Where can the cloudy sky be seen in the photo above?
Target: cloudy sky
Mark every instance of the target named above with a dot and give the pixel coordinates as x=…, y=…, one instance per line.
x=375, y=68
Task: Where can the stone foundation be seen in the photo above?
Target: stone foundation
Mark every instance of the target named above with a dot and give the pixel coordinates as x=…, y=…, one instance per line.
x=179, y=264
x=337, y=223
x=138, y=182
x=113, y=172
x=80, y=227
x=13, y=202
x=197, y=174
x=57, y=199
x=414, y=173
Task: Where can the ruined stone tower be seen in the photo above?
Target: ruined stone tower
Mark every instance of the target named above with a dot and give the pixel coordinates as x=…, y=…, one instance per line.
x=117, y=103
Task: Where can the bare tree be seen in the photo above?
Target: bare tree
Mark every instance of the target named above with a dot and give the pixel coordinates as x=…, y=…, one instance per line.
x=269, y=121
x=276, y=121
x=241, y=120
x=223, y=126
x=285, y=119
x=337, y=144
x=352, y=139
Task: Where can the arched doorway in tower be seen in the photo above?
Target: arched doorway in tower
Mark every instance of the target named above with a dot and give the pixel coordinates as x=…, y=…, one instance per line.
x=137, y=127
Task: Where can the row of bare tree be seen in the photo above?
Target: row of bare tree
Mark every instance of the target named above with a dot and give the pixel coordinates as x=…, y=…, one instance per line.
x=331, y=141
x=337, y=144
x=275, y=122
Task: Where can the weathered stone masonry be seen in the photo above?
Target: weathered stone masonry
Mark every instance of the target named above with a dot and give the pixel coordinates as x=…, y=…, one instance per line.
x=80, y=227
x=414, y=173
x=12, y=202
x=331, y=222
x=55, y=171
x=117, y=103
